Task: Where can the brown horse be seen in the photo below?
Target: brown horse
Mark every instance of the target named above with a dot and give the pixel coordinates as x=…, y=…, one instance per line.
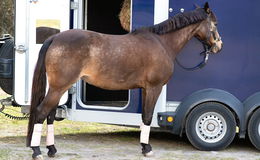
x=141, y=59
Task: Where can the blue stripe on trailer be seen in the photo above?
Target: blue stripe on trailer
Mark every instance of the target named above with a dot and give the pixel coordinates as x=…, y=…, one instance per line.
x=142, y=13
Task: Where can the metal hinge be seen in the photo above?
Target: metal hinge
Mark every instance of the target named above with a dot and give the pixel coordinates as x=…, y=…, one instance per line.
x=72, y=90
x=74, y=5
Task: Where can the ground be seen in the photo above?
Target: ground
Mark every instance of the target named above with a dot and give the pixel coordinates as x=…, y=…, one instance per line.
x=92, y=141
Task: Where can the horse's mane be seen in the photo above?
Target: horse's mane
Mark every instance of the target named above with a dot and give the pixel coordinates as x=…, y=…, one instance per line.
x=176, y=22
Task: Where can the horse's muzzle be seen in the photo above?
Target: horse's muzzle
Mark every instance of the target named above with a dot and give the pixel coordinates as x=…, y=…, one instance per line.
x=217, y=47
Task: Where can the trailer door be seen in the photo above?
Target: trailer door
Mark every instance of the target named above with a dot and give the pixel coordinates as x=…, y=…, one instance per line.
x=36, y=20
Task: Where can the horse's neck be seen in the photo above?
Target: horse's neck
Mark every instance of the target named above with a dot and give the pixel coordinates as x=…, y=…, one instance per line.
x=175, y=41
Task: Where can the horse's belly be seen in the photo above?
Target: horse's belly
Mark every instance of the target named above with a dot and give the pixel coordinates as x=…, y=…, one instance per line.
x=110, y=83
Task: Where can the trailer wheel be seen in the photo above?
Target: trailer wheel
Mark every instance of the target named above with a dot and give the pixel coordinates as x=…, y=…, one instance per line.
x=6, y=51
x=210, y=126
x=254, y=129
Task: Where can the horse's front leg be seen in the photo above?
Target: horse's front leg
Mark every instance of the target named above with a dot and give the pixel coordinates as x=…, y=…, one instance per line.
x=50, y=134
x=149, y=98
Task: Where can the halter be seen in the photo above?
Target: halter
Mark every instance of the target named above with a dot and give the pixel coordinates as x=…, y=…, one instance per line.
x=206, y=52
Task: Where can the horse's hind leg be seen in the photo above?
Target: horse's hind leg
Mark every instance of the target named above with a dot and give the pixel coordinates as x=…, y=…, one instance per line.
x=149, y=97
x=50, y=134
x=49, y=103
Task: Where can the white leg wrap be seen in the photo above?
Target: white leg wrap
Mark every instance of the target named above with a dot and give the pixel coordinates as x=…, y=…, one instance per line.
x=50, y=135
x=36, y=136
x=145, y=132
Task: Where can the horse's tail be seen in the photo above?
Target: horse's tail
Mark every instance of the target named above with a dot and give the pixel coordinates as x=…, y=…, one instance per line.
x=38, y=88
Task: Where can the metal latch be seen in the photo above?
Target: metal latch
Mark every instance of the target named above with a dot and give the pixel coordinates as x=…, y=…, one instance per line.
x=62, y=112
x=72, y=90
x=20, y=49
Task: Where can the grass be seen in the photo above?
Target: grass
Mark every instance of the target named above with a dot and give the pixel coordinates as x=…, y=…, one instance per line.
x=13, y=132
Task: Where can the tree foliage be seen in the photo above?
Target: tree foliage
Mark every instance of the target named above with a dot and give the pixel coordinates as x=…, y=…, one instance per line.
x=7, y=17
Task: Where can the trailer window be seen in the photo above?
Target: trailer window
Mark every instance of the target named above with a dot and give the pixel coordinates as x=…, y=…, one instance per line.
x=46, y=28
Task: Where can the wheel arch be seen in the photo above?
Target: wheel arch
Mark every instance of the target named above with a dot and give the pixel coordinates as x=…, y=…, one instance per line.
x=209, y=95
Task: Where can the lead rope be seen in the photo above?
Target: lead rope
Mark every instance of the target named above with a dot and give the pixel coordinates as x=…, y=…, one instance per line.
x=206, y=53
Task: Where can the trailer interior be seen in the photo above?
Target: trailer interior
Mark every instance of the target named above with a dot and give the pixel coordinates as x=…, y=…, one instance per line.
x=102, y=16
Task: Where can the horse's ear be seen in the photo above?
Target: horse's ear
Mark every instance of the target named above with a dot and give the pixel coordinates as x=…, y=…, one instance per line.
x=206, y=7
x=196, y=5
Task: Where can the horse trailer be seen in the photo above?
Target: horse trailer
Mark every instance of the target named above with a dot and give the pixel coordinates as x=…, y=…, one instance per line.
x=210, y=104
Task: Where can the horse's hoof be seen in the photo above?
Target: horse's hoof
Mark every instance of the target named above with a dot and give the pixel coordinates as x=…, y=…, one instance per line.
x=37, y=154
x=39, y=157
x=52, y=151
x=149, y=154
x=51, y=155
x=147, y=150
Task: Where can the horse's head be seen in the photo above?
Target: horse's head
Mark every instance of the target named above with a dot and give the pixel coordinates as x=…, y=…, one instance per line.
x=208, y=32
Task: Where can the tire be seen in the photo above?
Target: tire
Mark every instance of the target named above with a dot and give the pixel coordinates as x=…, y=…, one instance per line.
x=7, y=52
x=210, y=126
x=254, y=129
